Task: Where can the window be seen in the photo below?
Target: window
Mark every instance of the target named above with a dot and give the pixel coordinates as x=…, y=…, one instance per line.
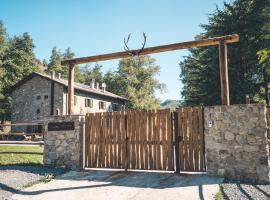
x=46, y=97
x=115, y=107
x=102, y=105
x=38, y=111
x=57, y=112
x=89, y=103
x=38, y=97
x=75, y=100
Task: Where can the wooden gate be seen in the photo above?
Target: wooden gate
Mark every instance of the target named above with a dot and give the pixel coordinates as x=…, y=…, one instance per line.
x=150, y=140
x=105, y=140
x=147, y=140
x=189, y=137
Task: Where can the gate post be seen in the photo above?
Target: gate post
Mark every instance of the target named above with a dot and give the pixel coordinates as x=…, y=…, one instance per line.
x=176, y=140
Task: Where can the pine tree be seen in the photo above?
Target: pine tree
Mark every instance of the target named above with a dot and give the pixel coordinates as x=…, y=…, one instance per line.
x=200, y=70
x=135, y=80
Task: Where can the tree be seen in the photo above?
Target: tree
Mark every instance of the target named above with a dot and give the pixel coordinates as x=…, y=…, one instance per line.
x=54, y=64
x=200, y=70
x=135, y=80
x=264, y=61
x=90, y=73
x=18, y=59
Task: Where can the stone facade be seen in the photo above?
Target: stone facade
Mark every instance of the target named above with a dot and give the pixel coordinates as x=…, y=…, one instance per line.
x=236, y=142
x=34, y=99
x=65, y=148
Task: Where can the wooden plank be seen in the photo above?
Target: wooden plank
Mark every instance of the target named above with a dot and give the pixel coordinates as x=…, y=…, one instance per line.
x=133, y=130
x=164, y=141
x=224, y=77
x=146, y=140
x=169, y=141
x=185, y=141
x=137, y=135
x=201, y=139
x=111, y=139
x=195, y=138
x=150, y=138
x=114, y=140
x=92, y=138
x=157, y=49
x=71, y=89
x=158, y=132
x=190, y=140
x=176, y=139
x=105, y=116
x=87, y=143
x=154, y=139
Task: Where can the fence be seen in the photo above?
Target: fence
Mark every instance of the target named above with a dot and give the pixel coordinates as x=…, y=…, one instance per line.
x=148, y=140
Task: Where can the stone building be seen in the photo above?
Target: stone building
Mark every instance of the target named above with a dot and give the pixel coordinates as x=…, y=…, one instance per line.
x=38, y=96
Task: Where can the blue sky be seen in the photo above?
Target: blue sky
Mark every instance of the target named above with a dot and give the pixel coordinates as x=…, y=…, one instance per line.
x=93, y=27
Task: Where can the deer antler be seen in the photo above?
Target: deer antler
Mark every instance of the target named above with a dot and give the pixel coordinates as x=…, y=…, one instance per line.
x=125, y=42
x=144, y=42
x=134, y=52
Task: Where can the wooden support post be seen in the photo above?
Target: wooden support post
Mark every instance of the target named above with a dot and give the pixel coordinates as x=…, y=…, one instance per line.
x=71, y=89
x=224, y=79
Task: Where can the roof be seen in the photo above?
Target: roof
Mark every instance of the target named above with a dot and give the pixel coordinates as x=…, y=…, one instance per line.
x=64, y=82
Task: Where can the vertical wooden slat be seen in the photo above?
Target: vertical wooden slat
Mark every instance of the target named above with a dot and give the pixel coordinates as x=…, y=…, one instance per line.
x=146, y=144
x=164, y=140
x=195, y=139
x=87, y=141
x=150, y=139
x=134, y=140
x=169, y=141
x=158, y=141
x=111, y=139
x=176, y=139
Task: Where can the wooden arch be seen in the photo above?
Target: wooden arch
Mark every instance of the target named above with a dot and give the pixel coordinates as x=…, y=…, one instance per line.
x=223, y=63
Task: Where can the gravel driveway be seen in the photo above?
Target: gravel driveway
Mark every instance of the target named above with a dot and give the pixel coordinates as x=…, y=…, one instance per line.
x=240, y=191
x=13, y=178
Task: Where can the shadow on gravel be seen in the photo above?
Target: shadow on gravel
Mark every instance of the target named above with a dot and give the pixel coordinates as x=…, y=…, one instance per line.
x=105, y=178
x=34, y=169
x=239, y=189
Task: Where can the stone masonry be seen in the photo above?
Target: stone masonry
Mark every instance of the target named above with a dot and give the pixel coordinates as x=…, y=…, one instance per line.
x=236, y=142
x=65, y=148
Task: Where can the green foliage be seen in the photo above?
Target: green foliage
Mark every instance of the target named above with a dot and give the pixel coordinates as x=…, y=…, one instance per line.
x=17, y=60
x=200, y=70
x=135, y=80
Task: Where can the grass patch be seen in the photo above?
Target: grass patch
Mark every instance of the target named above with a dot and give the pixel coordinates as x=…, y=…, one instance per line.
x=45, y=179
x=21, y=155
x=218, y=195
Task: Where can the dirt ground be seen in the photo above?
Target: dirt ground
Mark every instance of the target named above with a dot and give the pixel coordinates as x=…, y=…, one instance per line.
x=120, y=185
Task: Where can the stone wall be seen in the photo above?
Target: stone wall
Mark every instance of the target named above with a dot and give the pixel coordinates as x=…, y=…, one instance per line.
x=64, y=148
x=236, y=145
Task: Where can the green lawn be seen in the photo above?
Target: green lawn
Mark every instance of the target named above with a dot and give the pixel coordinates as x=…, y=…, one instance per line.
x=21, y=155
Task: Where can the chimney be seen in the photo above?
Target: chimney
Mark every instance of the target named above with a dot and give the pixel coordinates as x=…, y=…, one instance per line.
x=52, y=75
x=58, y=76
x=103, y=86
x=97, y=85
x=92, y=83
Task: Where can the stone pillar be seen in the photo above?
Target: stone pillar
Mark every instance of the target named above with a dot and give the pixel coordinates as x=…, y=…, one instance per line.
x=236, y=142
x=64, y=148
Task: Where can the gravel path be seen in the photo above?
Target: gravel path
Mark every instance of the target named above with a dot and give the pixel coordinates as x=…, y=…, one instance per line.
x=13, y=178
x=239, y=191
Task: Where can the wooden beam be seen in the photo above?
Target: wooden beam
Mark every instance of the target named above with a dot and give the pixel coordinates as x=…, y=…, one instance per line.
x=71, y=89
x=171, y=47
x=224, y=79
